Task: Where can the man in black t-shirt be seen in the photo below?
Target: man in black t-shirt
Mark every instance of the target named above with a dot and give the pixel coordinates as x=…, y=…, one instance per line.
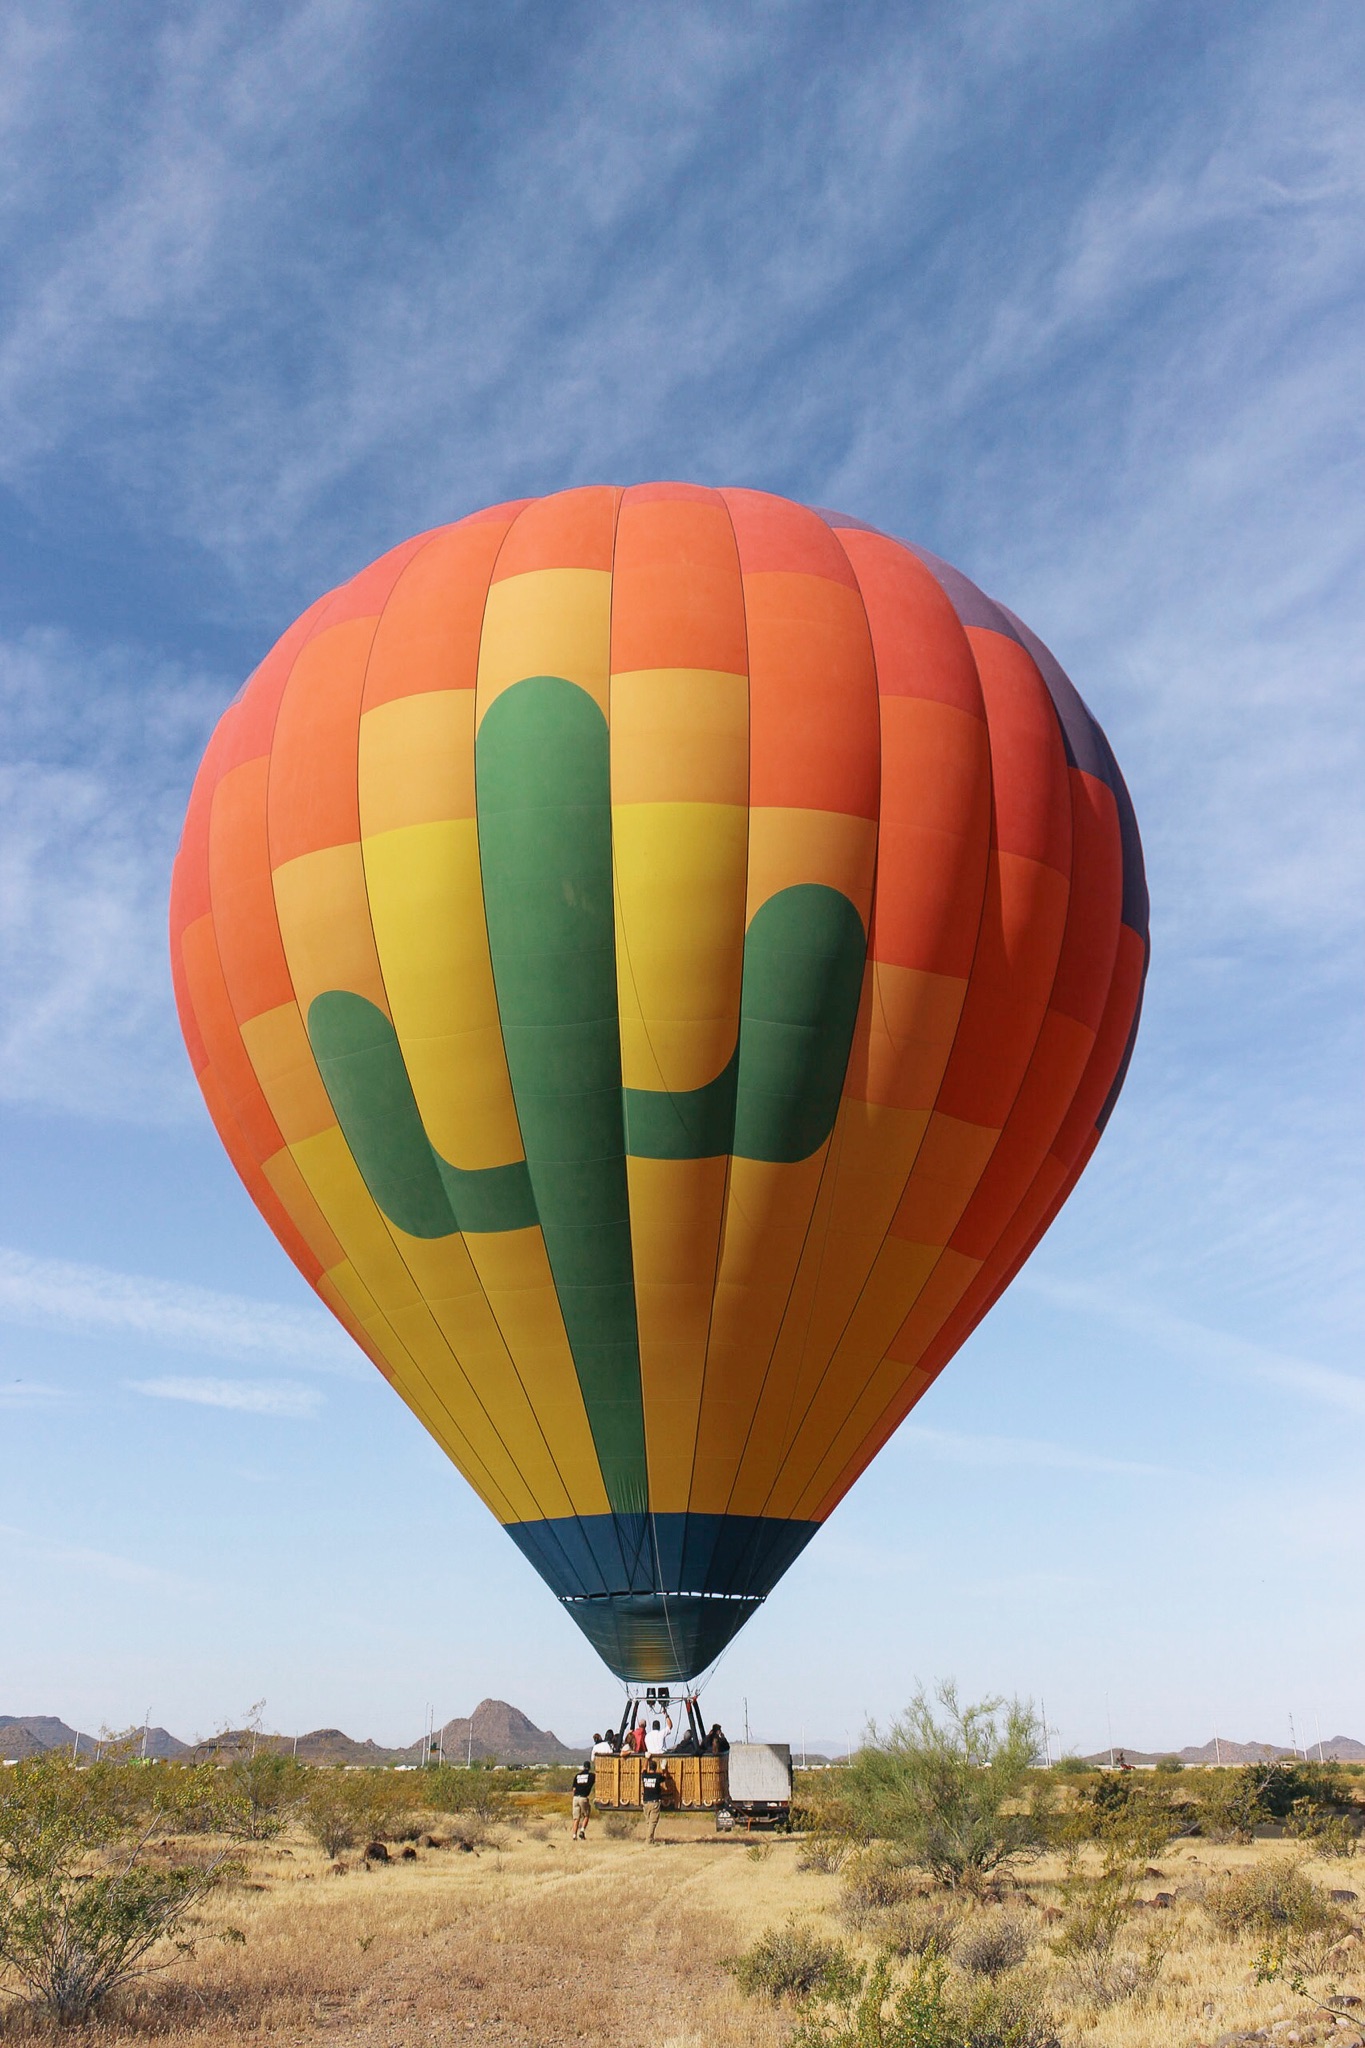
x=653, y=1786
x=584, y=1778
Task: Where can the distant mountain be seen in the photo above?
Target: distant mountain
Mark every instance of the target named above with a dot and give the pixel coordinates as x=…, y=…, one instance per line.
x=1341, y=1749
x=26, y=1735
x=501, y=1732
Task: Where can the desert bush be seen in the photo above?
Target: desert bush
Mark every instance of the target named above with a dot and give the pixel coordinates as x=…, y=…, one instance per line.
x=333, y=1812
x=950, y=1789
x=920, y=1925
x=260, y=1794
x=1072, y=1767
x=822, y=1852
x=1171, y=1766
x=874, y=2009
x=992, y=1943
x=81, y=1912
x=790, y=1962
x=1272, y=1900
x=875, y=1879
x=452, y=1788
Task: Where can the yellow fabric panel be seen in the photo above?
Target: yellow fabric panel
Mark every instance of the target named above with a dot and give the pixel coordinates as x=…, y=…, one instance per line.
x=791, y=846
x=676, y=1206
x=325, y=925
x=333, y=1179
x=426, y=902
x=679, y=887
x=514, y=1273
x=951, y=1277
x=288, y=1183
x=870, y=1157
x=679, y=735
x=438, y=1387
x=905, y=1033
x=416, y=761
x=412, y=1390
x=547, y=622
x=898, y=1276
x=282, y=1059
x=767, y=1213
x=951, y=1161
x=480, y=1385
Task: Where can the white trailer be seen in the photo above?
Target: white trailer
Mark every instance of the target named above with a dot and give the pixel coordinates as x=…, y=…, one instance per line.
x=758, y=1785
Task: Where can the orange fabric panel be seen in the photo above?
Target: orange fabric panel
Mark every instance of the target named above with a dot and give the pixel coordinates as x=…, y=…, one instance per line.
x=1022, y=922
x=190, y=875
x=184, y=1002
x=314, y=791
x=1086, y=967
x=428, y=632
x=227, y=1054
x=366, y=593
x=571, y=530
x=676, y=599
x=1032, y=799
x=248, y=726
x=920, y=645
x=254, y=966
x=815, y=737
x=272, y=1210
x=951, y=1160
x=774, y=534
x=933, y=836
x=906, y=1023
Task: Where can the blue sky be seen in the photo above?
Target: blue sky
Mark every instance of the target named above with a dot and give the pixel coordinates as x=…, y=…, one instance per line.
x=1071, y=295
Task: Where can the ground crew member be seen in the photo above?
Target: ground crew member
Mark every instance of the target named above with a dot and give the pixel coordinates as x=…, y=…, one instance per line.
x=653, y=1785
x=584, y=1778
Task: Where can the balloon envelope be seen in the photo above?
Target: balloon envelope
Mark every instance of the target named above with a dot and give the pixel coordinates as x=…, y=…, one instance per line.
x=658, y=960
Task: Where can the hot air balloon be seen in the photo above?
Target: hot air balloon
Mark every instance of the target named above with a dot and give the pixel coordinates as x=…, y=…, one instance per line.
x=659, y=959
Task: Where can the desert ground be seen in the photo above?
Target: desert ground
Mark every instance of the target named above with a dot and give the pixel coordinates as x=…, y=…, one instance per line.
x=535, y=1940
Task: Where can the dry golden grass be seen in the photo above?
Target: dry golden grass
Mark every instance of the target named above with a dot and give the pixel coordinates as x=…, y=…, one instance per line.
x=540, y=1941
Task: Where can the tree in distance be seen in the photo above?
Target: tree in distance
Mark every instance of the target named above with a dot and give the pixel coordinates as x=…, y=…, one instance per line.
x=948, y=1786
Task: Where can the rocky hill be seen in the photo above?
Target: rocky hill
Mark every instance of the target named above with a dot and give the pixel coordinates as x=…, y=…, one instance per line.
x=495, y=1732
x=1342, y=1749
x=26, y=1735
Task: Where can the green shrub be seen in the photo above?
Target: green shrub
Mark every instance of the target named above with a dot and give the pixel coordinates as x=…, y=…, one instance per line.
x=876, y=1879
x=1171, y=1765
x=791, y=1962
x=876, y=2010
x=81, y=1913
x=950, y=1788
x=917, y=1927
x=1272, y=1900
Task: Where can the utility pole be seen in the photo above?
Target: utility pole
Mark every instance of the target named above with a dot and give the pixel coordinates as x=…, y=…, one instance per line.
x=746, y=1720
x=1293, y=1740
x=145, y=1719
x=1217, y=1748
x=1109, y=1725
x=1317, y=1730
x=1047, y=1743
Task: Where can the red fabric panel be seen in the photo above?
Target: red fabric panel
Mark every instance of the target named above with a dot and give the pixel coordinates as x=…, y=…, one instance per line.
x=919, y=643
x=1032, y=801
x=933, y=836
x=774, y=534
x=1086, y=968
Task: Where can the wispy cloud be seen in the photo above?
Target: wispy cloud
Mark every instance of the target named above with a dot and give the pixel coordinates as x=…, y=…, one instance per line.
x=24, y=1546
x=1199, y=1345
x=33, y=1394
x=53, y=1294
x=249, y=1397
x=951, y=1447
